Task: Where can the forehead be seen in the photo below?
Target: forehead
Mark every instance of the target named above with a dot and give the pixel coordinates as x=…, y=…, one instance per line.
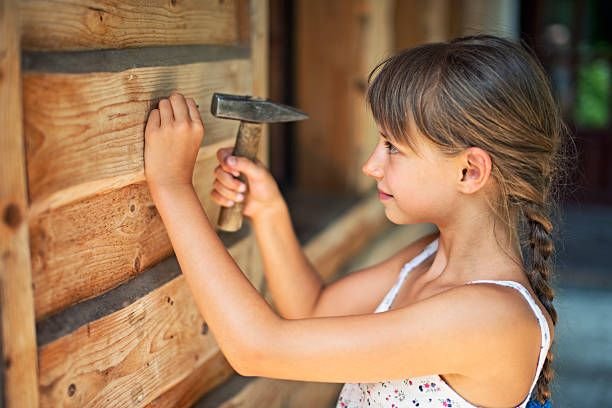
x=412, y=138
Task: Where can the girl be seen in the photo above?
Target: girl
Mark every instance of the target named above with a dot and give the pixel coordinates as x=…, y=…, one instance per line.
x=469, y=140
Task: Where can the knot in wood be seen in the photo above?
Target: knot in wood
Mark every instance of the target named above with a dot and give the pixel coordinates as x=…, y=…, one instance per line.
x=12, y=216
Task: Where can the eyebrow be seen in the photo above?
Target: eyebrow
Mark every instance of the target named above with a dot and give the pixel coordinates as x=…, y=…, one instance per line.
x=383, y=135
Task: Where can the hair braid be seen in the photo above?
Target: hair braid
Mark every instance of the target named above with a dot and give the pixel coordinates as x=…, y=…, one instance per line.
x=539, y=274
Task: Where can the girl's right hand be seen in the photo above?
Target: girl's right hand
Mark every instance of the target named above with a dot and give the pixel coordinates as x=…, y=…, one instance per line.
x=263, y=195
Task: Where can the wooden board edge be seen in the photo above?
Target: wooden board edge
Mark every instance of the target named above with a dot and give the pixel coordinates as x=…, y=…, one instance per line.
x=19, y=363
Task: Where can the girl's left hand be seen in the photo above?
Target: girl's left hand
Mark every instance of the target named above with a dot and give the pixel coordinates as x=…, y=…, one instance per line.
x=173, y=135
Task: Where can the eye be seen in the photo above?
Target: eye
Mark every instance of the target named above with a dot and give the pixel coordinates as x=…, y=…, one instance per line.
x=390, y=147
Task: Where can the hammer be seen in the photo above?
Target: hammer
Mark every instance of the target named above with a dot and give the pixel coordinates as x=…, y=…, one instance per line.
x=251, y=112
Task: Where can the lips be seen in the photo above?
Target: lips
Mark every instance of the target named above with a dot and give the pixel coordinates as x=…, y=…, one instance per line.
x=383, y=195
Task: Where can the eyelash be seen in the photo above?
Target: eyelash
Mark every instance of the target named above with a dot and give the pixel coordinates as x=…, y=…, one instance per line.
x=390, y=148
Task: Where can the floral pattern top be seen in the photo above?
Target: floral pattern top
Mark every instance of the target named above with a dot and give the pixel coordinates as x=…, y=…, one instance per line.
x=432, y=390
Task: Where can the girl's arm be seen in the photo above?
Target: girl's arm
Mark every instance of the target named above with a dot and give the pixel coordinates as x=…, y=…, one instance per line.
x=293, y=282
x=458, y=331
x=296, y=287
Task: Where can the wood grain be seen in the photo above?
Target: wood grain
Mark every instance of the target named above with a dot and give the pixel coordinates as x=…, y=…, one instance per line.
x=91, y=24
x=132, y=356
x=18, y=359
x=81, y=249
x=215, y=371
x=81, y=128
x=340, y=133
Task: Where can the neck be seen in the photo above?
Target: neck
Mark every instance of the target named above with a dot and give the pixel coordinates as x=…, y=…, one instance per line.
x=474, y=246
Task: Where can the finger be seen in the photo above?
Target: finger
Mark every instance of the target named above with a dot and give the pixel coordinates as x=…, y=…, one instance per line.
x=179, y=107
x=246, y=166
x=221, y=156
x=153, y=120
x=228, y=181
x=223, y=152
x=165, y=112
x=194, y=113
x=227, y=193
x=219, y=199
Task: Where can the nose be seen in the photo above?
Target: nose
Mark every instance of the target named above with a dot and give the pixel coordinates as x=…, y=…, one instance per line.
x=373, y=167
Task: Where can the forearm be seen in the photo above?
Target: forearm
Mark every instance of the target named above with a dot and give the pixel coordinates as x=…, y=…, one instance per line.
x=232, y=308
x=292, y=280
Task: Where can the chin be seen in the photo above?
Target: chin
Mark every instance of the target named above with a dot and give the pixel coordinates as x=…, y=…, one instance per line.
x=400, y=218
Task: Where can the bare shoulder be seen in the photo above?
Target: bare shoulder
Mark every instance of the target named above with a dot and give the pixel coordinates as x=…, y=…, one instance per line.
x=366, y=287
x=501, y=321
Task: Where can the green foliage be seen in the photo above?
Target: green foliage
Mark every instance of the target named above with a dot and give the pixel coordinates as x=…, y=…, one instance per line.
x=592, y=109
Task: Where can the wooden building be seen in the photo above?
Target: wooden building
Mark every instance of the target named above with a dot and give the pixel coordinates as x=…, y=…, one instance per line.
x=94, y=309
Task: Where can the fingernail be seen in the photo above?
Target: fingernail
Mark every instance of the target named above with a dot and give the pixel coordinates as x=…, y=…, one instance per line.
x=231, y=160
x=242, y=188
x=230, y=203
x=239, y=197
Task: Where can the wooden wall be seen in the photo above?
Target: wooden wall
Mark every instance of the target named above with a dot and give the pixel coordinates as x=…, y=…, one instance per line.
x=100, y=314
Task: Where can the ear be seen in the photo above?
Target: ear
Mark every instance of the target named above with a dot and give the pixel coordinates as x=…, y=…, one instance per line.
x=474, y=170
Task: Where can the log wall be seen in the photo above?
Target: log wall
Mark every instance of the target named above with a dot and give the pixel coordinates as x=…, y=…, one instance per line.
x=100, y=314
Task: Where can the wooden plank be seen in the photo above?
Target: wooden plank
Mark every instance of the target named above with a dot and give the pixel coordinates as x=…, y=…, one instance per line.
x=339, y=134
x=68, y=320
x=134, y=355
x=75, y=25
x=202, y=379
x=74, y=245
x=84, y=128
x=18, y=359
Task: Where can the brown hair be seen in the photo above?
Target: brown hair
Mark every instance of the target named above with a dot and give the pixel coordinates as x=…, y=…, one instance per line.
x=492, y=93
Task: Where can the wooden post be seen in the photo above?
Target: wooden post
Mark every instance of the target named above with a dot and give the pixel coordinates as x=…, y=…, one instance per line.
x=20, y=387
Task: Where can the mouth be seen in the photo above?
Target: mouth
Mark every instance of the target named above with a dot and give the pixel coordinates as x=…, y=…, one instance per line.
x=384, y=196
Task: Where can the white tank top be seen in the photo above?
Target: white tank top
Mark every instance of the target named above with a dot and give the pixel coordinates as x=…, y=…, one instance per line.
x=432, y=390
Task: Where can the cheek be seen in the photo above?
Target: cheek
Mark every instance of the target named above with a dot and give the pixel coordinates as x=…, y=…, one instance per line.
x=419, y=190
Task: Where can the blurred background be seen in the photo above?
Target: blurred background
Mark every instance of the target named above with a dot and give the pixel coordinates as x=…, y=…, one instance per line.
x=320, y=54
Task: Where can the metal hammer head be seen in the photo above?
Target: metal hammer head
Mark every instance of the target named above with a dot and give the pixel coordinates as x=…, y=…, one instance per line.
x=251, y=109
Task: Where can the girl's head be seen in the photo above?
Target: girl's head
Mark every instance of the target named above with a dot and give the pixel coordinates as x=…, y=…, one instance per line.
x=491, y=95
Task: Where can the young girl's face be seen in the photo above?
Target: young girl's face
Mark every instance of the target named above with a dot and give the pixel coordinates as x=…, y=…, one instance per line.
x=414, y=185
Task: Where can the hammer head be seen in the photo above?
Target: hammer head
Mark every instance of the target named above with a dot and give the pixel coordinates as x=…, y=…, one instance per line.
x=249, y=109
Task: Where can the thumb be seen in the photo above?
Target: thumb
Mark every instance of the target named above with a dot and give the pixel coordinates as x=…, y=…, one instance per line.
x=250, y=168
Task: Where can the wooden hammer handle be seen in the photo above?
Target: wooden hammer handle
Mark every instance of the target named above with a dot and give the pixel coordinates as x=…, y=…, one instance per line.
x=247, y=144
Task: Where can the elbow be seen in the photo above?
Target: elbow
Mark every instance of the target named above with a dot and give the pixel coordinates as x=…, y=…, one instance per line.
x=250, y=355
x=239, y=365
x=246, y=359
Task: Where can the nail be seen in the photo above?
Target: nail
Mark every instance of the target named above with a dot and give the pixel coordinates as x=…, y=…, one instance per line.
x=239, y=198
x=231, y=160
x=242, y=188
